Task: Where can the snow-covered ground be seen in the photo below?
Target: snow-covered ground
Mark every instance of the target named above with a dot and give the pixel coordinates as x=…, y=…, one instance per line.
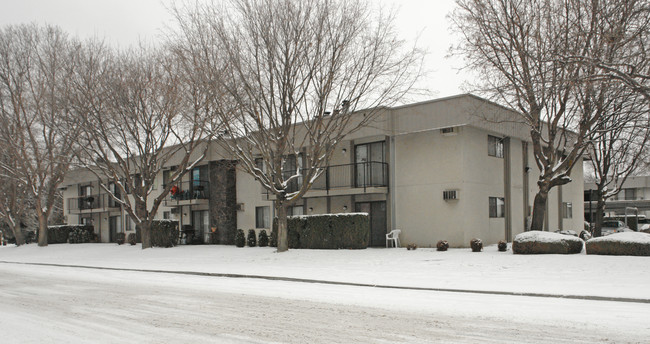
x=62, y=304
x=581, y=274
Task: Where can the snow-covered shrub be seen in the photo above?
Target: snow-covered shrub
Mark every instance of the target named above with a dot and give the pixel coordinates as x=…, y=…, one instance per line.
x=251, y=239
x=476, y=245
x=328, y=231
x=120, y=238
x=538, y=242
x=164, y=233
x=567, y=232
x=411, y=247
x=131, y=239
x=585, y=235
x=622, y=244
x=263, y=239
x=442, y=245
x=80, y=235
x=502, y=246
x=61, y=234
x=240, y=238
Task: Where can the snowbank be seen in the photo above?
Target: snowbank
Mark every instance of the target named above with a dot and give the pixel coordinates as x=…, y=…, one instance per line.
x=538, y=242
x=623, y=243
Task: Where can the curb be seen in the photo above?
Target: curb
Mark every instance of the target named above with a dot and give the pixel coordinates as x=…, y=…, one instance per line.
x=352, y=284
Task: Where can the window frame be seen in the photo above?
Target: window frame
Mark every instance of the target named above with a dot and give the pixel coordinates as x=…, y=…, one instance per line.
x=567, y=210
x=495, y=146
x=265, y=221
x=494, y=211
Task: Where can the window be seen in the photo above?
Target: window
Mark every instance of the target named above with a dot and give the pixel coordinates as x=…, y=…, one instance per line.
x=167, y=175
x=129, y=224
x=370, y=164
x=495, y=146
x=166, y=215
x=630, y=194
x=85, y=220
x=567, y=210
x=497, y=207
x=295, y=210
x=262, y=217
x=259, y=163
x=200, y=224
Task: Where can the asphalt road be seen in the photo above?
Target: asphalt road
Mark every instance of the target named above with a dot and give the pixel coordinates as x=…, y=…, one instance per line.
x=71, y=305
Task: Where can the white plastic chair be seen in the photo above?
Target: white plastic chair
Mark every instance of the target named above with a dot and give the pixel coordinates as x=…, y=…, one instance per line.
x=393, y=238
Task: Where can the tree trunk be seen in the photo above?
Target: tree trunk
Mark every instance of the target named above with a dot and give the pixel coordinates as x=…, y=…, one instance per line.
x=600, y=214
x=42, y=230
x=283, y=237
x=539, y=211
x=145, y=233
x=18, y=234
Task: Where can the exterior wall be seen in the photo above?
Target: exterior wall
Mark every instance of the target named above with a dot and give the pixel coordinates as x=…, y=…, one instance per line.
x=423, y=162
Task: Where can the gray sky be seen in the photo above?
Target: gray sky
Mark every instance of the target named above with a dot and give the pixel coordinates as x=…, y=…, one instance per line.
x=124, y=22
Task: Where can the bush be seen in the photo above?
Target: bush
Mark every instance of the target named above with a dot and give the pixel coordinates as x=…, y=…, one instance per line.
x=476, y=245
x=263, y=239
x=585, y=235
x=502, y=246
x=538, y=242
x=328, y=231
x=252, y=239
x=80, y=235
x=240, y=239
x=442, y=245
x=273, y=239
x=164, y=233
x=61, y=234
x=411, y=247
x=131, y=239
x=620, y=244
x=119, y=238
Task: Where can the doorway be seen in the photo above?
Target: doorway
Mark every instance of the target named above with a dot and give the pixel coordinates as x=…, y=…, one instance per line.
x=114, y=227
x=377, y=212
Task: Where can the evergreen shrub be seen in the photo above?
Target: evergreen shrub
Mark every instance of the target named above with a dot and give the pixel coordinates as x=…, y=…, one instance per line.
x=442, y=245
x=502, y=246
x=120, y=237
x=263, y=239
x=251, y=239
x=328, y=231
x=164, y=233
x=476, y=245
x=131, y=239
x=61, y=234
x=240, y=238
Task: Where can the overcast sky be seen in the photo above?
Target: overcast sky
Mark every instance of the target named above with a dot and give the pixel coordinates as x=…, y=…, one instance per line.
x=124, y=22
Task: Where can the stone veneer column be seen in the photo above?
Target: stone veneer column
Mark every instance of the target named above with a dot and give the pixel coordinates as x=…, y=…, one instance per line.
x=223, y=200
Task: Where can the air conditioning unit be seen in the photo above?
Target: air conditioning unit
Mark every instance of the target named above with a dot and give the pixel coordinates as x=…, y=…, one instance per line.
x=450, y=195
x=449, y=131
x=239, y=207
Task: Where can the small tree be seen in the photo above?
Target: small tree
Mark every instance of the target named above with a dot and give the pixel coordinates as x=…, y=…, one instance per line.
x=291, y=74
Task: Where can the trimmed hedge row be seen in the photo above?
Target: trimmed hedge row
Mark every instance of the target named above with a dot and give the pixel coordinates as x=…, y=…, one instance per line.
x=329, y=231
x=164, y=233
x=61, y=234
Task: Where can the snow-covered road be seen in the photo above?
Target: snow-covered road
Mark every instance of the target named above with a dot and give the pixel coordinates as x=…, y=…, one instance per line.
x=70, y=305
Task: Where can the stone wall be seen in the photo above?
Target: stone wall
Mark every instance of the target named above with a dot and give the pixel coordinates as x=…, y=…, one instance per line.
x=223, y=201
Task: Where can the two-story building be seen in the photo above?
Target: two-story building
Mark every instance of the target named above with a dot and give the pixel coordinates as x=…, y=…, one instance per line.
x=450, y=169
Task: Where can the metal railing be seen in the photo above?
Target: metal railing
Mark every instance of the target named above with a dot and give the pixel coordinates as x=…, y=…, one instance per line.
x=355, y=175
x=92, y=202
x=188, y=191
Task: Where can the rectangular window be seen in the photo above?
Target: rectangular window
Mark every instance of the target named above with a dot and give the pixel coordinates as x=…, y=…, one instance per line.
x=567, y=210
x=495, y=146
x=370, y=164
x=295, y=210
x=630, y=194
x=166, y=215
x=263, y=217
x=129, y=224
x=497, y=207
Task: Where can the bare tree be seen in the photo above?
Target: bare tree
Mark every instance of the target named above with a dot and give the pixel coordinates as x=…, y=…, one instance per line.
x=291, y=74
x=619, y=144
x=522, y=49
x=138, y=113
x=15, y=201
x=36, y=67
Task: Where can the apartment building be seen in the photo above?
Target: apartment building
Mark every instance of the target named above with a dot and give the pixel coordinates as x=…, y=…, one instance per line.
x=634, y=196
x=450, y=169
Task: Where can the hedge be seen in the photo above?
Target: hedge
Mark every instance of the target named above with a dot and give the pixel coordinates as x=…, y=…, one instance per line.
x=61, y=234
x=164, y=233
x=329, y=231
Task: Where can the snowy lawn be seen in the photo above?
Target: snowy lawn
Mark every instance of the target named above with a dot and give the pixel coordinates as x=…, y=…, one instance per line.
x=579, y=274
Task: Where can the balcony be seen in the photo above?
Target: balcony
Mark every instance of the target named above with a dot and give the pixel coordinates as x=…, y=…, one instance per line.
x=92, y=204
x=188, y=193
x=363, y=177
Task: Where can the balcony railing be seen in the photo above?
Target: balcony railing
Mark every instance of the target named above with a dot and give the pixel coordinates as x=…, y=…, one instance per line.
x=91, y=203
x=183, y=193
x=357, y=175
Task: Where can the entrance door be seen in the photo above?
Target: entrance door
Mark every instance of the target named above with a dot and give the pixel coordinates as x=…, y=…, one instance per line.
x=377, y=212
x=200, y=223
x=114, y=227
